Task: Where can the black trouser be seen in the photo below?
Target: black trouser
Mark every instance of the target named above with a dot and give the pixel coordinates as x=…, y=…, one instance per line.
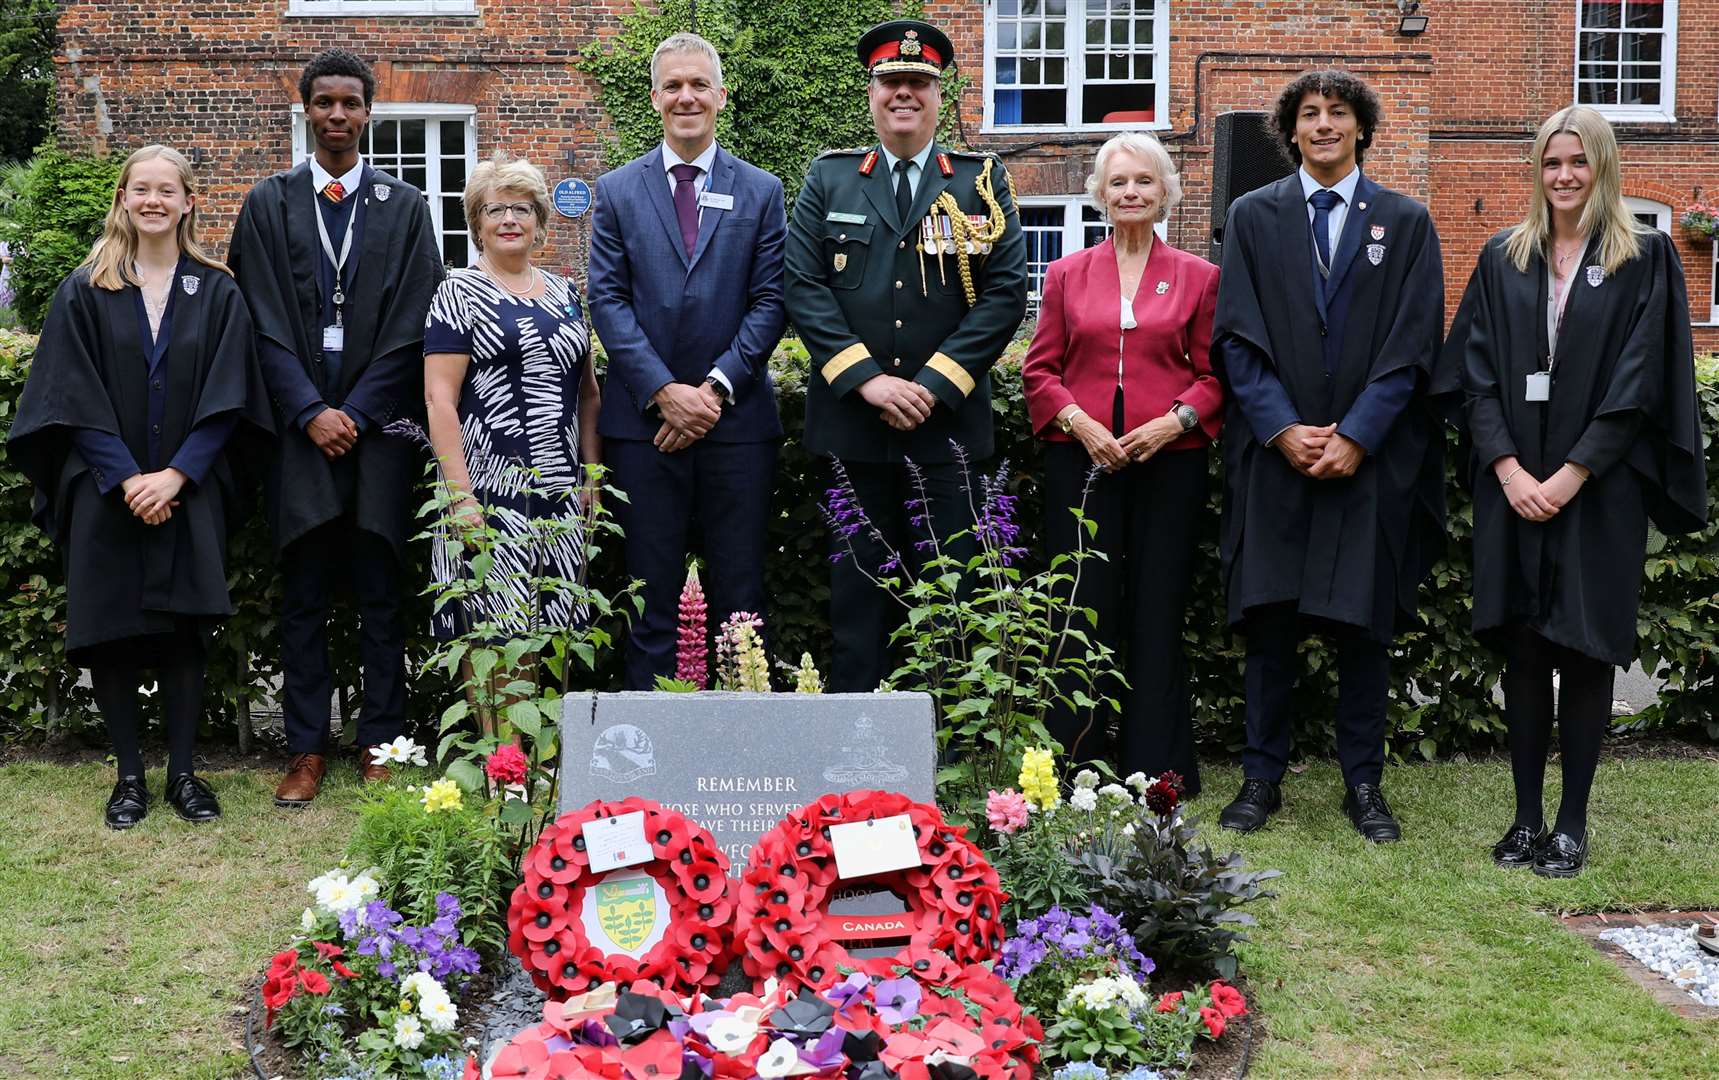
x=311, y=566
x=862, y=615
x=116, y=670
x=1148, y=518
x=1363, y=688
x=1583, y=714
x=725, y=488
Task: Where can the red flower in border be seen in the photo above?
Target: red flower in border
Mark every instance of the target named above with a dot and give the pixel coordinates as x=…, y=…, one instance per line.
x=1227, y=999
x=1214, y=1021
x=1169, y=1002
x=314, y=982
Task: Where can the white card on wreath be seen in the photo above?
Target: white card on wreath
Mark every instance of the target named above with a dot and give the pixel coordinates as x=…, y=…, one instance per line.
x=616, y=841
x=877, y=846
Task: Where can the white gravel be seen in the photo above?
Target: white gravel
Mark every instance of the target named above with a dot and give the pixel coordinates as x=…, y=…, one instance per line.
x=1671, y=952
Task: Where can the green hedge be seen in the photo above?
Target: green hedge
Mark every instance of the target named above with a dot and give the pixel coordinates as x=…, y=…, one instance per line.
x=53, y=212
x=1443, y=701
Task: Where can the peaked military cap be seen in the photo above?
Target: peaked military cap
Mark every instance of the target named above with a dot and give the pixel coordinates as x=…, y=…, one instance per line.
x=905, y=45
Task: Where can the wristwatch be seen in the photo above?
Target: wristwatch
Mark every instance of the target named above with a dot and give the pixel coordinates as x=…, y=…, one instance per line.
x=1190, y=419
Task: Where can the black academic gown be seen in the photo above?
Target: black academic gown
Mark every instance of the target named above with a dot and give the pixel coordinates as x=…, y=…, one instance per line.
x=1351, y=551
x=125, y=579
x=392, y=272
x=1622, y=404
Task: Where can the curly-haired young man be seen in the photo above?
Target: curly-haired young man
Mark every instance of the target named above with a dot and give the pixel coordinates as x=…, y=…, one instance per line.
x=1330, y=311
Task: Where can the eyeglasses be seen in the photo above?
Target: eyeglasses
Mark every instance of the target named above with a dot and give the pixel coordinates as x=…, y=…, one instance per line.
x=521, y=211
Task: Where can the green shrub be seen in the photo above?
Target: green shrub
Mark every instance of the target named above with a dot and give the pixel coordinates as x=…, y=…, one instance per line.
x=418, y=854
x=56, y=215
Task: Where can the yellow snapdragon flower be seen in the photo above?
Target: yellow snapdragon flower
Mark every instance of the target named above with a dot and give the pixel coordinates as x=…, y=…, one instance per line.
x=1038, y=779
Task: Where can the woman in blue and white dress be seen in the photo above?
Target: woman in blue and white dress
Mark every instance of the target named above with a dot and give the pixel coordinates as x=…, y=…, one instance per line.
x=507, y=379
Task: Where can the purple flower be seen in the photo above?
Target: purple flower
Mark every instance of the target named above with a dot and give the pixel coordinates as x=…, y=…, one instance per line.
x=385, y=969
x=826, y=1053
x=843, y=993
x=897, y=1000
x=448, y=907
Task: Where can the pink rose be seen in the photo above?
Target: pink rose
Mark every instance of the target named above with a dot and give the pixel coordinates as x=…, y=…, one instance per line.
x=507, y=765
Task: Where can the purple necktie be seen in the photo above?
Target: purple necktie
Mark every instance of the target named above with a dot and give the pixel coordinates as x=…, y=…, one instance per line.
x=686, y=204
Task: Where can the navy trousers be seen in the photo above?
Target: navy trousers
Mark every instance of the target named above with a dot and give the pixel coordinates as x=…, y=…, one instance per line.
x=341, y=553
x=718, y=490
x=1363, y=675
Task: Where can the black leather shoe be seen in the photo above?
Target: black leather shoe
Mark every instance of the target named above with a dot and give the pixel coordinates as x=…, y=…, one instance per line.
x=1370, y=814
x=1257, y=801
x=128, y=804
x=1517, y=848
x=1561, y=856
x=192, y=799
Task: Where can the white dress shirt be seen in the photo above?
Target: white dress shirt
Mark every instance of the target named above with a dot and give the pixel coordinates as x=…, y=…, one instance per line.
x=1345, y=189
x=915, y=168
x=349, y=180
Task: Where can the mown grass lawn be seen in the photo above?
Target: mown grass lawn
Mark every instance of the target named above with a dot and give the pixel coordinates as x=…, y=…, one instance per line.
x=123, y=955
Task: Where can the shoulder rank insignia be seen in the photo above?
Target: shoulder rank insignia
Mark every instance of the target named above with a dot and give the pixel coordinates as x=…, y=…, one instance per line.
x=868, y=163
x=944, y=164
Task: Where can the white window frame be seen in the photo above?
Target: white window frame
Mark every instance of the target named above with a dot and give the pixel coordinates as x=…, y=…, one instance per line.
x=1712, y=286
x=430, y=112
x=1074, y=228
x=1661, y=212
x=415, y=8
x=1074, y=40
x=1663, y=113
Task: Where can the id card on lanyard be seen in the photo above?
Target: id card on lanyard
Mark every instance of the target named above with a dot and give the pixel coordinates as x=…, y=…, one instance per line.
x=334, y=337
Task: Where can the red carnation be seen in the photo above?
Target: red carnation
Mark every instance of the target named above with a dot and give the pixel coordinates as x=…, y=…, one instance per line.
x=1228, y=1000
x=1214, y=1021
x=507, y=765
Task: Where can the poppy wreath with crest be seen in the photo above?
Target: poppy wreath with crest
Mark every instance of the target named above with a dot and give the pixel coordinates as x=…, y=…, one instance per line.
x=545, y=931
x=954, y=901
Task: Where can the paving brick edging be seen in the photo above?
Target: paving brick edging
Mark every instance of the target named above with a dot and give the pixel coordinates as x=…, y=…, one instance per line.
x=1661, y=989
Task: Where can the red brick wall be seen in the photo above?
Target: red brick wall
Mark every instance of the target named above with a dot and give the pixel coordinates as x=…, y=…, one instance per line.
x=1461, y=101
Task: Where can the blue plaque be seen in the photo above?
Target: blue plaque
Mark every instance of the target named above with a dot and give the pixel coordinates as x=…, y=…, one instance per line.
x=572, y=198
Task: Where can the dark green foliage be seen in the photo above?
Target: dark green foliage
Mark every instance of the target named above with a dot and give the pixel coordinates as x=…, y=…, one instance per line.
x=52, y=220
x=795, y=87
x=417, y=855
x=26, y=74
x=1173, y=893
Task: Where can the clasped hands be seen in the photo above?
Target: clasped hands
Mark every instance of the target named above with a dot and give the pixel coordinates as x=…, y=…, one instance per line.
x=1319, y=452
x=333, y=432
x=152, y=496
x=1537, y=500
x=688, y=412
x=1110, y=453
x=903, y=404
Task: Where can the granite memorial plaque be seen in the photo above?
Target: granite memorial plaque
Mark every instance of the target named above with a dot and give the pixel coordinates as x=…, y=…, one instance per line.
x=738, y=763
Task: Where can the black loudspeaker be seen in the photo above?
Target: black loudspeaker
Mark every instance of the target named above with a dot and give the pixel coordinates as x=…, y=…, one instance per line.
x=1245, y=157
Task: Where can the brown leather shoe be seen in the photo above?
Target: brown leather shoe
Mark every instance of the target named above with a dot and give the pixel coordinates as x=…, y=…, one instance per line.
x=302, y=781
x=370, y=770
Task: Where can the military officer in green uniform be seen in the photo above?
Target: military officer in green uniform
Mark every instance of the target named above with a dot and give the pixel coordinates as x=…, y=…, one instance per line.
x=906, y=277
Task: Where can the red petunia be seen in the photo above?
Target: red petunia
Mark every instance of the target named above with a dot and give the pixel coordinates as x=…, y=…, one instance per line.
x=1169, y=1002
x=1214, y=1021
x=1228, y=1000
x=314, y=982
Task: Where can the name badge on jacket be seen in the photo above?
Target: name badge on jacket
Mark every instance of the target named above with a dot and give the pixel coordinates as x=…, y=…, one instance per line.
x=716, y=200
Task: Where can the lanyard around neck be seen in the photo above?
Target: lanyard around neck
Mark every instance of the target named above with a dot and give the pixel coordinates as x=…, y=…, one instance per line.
x=339, y=261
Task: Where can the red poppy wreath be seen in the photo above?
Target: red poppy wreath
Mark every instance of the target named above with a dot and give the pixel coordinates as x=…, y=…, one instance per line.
x=953, y=898
x=574, y=929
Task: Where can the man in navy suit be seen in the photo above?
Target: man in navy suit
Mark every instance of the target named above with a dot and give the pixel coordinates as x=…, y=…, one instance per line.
x=686, y=297
x=1330, y=310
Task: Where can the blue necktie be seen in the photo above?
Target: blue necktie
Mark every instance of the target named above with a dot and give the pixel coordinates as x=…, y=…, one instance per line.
x=1322, y=202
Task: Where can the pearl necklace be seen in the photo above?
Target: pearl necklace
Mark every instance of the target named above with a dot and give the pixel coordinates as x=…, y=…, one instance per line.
x=496, y=276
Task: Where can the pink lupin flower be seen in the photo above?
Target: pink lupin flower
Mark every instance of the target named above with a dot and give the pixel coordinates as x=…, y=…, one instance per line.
x=692, y=658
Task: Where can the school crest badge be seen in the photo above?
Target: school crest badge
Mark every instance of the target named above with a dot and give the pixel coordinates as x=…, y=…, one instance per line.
x=1596, y=274
x=189, y=283
x=627, y=910
x=1375, y=253
x=1378, y=232
x=841, y=261
x=381, y=191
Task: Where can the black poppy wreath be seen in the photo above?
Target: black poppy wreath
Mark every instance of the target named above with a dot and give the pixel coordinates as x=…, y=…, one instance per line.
x=546, y=931
x=953, y=899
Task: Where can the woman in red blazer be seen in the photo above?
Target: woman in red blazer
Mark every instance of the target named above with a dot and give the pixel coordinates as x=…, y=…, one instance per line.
x=1118, y=377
